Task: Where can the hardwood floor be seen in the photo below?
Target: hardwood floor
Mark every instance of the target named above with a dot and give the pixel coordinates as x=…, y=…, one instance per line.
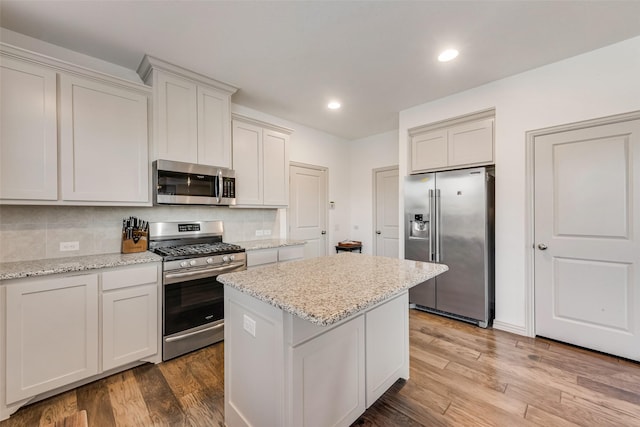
x=460, y=376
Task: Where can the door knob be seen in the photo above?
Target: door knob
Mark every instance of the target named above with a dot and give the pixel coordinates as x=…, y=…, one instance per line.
x=542, y=246
x=323, y=232
x=378, y=232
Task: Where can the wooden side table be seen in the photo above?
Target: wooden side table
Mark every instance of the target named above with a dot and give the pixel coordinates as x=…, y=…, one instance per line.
x=349, y=248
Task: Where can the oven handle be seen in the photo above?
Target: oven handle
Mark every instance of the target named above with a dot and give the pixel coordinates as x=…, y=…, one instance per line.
x=183, y=336
x=170, y=278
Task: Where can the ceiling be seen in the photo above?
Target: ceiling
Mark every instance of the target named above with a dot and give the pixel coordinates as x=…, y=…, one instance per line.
x=289, y=58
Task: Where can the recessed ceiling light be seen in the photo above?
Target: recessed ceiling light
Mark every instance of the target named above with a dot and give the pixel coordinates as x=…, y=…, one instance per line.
x=333, y=105
x=447, y=55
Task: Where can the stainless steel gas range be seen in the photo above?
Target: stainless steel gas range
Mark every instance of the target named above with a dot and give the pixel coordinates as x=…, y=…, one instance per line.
x=193, y=300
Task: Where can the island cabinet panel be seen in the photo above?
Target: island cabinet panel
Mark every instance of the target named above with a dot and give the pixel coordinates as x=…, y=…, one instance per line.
x=387, y=355
x=254, y=368
x=51, y=333
x=28, y=131
x=282, y=370
x=328, y=377
x=104, y=142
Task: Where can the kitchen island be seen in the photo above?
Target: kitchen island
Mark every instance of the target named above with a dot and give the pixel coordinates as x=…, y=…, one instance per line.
x=316, y=342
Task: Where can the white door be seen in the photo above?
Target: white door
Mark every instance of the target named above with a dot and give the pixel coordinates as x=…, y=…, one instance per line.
x=587, y=237
x=308, y=208
x=386, y=212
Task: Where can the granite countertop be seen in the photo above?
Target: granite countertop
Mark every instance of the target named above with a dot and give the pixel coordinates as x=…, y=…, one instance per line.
x=20, y=269
x=328, y=289
x=252, y=245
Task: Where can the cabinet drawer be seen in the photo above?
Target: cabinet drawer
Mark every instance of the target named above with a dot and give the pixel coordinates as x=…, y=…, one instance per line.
x=133, y=276
x=290, y=253
x=262, y=256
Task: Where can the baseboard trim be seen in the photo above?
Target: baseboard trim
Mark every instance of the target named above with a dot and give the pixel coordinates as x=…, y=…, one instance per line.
x=509, y=327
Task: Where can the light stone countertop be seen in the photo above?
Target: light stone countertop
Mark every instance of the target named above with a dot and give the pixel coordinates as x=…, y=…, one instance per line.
x=20, y=269
x=252, y=245
x=328, y=289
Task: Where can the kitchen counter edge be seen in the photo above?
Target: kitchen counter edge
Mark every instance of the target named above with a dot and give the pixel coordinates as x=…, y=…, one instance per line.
x=45, y=267
x=254, y=245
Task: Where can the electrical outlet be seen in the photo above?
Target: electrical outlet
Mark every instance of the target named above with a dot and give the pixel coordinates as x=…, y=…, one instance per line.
x=267, y=232
x=249, y=325
x=259, y=233
x=69, y=246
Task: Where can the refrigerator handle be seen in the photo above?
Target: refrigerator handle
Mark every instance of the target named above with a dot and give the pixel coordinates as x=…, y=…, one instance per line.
x=437, y=219
x=432, y=231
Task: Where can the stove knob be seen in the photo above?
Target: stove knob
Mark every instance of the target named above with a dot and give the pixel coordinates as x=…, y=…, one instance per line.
x=184, y=264
x=225, y=258
x=192, y=262
x=209, y=260
x=232, y=257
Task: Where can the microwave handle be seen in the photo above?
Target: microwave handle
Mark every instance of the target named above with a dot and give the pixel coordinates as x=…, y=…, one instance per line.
x=220, y=182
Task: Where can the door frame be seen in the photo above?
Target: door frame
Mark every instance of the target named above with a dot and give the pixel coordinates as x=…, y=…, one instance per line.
x=529, y=294
x=326, y=208
x=374, y=217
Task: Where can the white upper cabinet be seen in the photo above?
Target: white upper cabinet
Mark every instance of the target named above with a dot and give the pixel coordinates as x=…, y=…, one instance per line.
x=192, y=114
x=261, y=163
x=103, y=142
x=462, y=142
x=94, y=126
x=28, y=131
x=176, y=119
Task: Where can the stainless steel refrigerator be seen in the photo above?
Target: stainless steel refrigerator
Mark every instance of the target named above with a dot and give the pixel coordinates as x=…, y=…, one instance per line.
x=449, y=218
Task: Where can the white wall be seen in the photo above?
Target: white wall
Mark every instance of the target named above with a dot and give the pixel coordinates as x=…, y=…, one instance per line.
x=366, y=154
x=318, y=148
x=596, y=84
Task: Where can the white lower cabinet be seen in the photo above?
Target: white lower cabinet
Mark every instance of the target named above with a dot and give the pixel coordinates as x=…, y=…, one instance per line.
x=257, y=257
x=129, y=315
x=57, y=327
x=52, y=334
x=330, y=368
x=316, y=375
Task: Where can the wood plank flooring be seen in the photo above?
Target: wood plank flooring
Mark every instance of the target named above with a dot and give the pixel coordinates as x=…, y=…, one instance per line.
x=461, y=375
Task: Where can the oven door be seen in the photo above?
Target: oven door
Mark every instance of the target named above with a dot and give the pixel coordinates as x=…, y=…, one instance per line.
x=193, y=315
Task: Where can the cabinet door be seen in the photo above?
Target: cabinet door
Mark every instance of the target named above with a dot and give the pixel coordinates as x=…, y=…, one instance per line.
x=214, y=128
x=176, y=117
x=52, y=334
x=275, y=168
x=28, y=132
x=247, y=162
x=104, y=142
x=262, y=257
x=329, y=377
x=387, y=343
x=429, y=150
x=129, y=325
x=471, y=143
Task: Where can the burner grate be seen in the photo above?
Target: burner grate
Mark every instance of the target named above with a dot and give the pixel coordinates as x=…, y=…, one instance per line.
x=198, y=249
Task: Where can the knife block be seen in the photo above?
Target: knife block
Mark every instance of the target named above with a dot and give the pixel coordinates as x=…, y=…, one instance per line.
x=130, y=246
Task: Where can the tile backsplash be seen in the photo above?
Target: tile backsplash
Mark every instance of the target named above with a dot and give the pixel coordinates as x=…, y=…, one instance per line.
x=35, y=232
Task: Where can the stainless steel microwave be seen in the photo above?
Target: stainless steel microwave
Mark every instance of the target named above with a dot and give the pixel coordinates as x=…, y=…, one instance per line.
x=179, y=183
